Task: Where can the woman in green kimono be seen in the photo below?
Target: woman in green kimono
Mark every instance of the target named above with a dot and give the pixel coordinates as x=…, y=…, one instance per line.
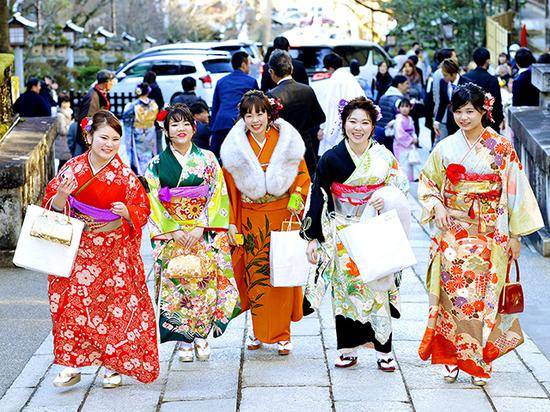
x=189, y=218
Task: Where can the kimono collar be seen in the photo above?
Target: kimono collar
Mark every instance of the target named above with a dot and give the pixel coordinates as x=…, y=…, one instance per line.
x=356, y=159
x=241, y=161
x=181, y=157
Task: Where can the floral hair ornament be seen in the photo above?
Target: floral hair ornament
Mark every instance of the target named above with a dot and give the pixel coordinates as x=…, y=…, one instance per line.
x=488, y=106
x=276, y=106
x=161, y=115
x=378, y=113
x=86, y=126
x=341, y=104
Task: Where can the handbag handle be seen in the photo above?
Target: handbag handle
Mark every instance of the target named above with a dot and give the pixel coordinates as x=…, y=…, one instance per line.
x=508, y=270
x=66, y=207
x=290, y=221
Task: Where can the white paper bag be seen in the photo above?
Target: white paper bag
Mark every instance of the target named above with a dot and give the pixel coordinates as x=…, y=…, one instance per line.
x=288, y=262
x=42, y=255
x=378, y=246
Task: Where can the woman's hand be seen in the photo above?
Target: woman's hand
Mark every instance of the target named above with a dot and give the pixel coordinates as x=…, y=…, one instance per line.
x=179, y=237
x=66, y=187
x=377, y=202
x=231, y=232
x=311, y=252
x=193, y=237
x=442, y=218
x=514, y=247
x=120, y=209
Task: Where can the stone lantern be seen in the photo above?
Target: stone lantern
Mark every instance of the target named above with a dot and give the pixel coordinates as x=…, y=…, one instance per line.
x=18, y=31
x=149, y=42
x=102, y=35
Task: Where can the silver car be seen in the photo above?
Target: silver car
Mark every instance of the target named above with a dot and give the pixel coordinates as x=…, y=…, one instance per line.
x=171, y=66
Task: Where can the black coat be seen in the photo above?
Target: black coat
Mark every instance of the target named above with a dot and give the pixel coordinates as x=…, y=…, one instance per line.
x=31, y=104
x=303, y=111
x=202, y=136
x=445, y=105
x=187, y=98
x=489, y=83
x=298, y=73
x=89, y=105
x=523, y=91
x=156, y=95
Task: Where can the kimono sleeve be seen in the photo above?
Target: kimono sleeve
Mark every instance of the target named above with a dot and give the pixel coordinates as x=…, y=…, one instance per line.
x=312, y=223
x=396, y=177
x=216, y=213
x=401, y=135
x=431, y=180
x=160, y=221
x=137, y=203
x=524, y=215
x=234, y=199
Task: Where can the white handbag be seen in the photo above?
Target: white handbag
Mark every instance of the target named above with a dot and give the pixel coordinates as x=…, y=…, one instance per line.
x=288, y=264
x=48, y=241
x=414, y=157
x=378, y=246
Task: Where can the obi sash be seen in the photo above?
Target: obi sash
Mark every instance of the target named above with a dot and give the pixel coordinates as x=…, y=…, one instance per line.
x=352, y=200
x=474, y=193
x=97, y=214
x=190, y=192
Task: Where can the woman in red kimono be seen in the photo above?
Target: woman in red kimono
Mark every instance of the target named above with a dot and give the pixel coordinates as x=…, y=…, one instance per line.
x=102, y=314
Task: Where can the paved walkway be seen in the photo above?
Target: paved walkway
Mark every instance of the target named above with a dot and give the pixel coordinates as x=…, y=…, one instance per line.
x=237, y=379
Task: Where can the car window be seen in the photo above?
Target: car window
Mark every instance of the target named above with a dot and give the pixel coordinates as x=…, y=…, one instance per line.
x=349, y=53
x=217, y=66
x=187, y=68
x=139, y=69
x=377, y=57
x=171, y=68
x=312, y=57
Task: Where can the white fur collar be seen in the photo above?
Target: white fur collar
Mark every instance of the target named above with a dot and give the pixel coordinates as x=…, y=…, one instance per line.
x=239, y=159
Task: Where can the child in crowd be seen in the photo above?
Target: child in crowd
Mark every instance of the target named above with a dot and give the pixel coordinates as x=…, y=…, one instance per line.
x=405, y=139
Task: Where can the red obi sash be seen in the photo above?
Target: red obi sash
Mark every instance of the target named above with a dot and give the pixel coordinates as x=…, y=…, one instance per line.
x=355, y=195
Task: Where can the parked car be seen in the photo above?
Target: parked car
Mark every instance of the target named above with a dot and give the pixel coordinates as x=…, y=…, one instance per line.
x=171, y=66
x=231, y=46
x=311, y=53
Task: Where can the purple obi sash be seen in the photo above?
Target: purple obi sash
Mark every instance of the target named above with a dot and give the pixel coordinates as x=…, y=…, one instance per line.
x=100, y=215
x=190, y=192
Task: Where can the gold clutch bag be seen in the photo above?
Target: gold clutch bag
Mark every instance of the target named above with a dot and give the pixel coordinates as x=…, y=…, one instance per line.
x=53, y=226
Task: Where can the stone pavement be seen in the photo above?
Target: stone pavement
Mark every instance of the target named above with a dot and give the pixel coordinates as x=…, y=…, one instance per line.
x=237, y=379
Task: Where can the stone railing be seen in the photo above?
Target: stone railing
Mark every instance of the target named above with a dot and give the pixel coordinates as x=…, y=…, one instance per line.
x=26, y=166
x=531, y=126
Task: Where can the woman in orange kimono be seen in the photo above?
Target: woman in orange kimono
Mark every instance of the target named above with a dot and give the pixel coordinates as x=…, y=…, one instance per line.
x=102, y=314
x=264, y=165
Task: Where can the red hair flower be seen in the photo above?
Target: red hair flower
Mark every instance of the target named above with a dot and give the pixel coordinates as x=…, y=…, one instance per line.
x=162, y=115
x=276, y=106
x=488, y=106
x=86, y=126
x=455, y=172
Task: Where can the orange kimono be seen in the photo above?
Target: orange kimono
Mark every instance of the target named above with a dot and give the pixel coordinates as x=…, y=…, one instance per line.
x=260, y=181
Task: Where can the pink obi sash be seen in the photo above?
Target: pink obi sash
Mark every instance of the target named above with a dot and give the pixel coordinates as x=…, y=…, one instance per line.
x=352, y=200
x=189, y=192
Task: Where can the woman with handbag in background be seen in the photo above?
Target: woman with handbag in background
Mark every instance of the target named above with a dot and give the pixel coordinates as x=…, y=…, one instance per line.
x=264, y=167
x=474, y=190
x=354, y=175
x=189, y=219
x=102, y=314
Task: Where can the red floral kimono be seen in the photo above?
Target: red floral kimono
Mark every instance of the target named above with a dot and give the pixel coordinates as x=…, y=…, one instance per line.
x=102, y=314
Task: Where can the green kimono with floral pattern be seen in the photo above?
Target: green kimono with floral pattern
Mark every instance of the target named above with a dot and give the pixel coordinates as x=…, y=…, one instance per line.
x=190, y=309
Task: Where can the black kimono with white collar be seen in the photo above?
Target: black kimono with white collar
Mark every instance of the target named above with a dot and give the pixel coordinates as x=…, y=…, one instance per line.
x=336, y=165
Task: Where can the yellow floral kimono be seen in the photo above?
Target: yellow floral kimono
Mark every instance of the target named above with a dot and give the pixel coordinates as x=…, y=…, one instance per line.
x=488, y=198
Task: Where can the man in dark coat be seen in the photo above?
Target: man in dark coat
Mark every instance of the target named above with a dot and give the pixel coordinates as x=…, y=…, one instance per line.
x=523, y=91
x=30, y=103
x=227, y=95
x=300, y=105
x=156, y=94
x=96, y=99
x=487, y=82
x=299, y=70
x=444, y=124
x=202, y=119
x=188, y=97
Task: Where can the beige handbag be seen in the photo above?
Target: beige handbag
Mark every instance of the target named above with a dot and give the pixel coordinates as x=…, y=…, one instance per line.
x=53, y=226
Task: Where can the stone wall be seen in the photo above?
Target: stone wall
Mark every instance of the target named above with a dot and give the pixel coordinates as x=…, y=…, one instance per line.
x=531, y=126
x=26, y=166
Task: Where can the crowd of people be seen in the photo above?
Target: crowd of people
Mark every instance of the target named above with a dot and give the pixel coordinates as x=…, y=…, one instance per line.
x=213, y=188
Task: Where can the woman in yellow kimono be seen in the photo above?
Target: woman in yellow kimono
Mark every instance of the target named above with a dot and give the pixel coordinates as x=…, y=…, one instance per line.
x=474, y=190
x=263, y=161
x=189, y=219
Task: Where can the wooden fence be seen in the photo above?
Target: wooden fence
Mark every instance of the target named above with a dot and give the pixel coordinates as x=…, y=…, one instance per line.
x=498, y=30
x=118, y=100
